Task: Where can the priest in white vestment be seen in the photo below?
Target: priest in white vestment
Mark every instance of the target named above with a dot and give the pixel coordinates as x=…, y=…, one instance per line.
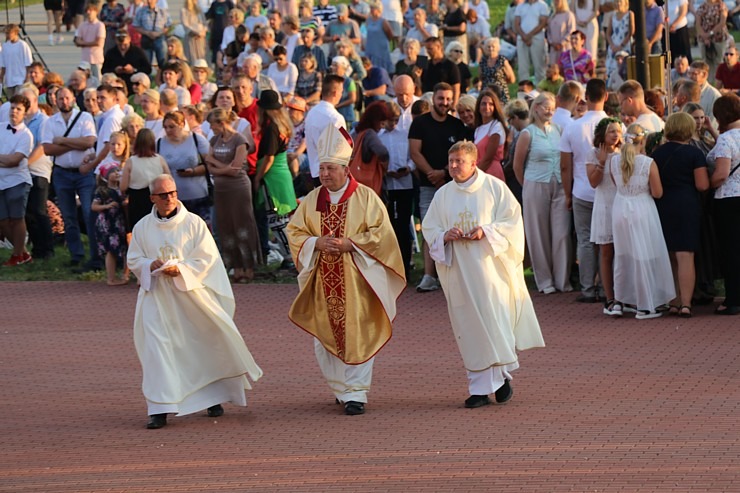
x=191, y=353
x=350, y=273
x=475, y=232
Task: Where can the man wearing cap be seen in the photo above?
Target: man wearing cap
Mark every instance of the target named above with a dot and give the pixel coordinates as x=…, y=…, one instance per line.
x=191, y=353
x=125, y=60
x=350, y=273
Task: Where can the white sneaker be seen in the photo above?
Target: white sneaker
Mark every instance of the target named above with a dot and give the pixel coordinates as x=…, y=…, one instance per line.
x=60, y=39
x=428, y=283
x=274, y=258
x=274, y=245
x=614, y=310
x=549, y=290
x=646, y=314
x=51, y=40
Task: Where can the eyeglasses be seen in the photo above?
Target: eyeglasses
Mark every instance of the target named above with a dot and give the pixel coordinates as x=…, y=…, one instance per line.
x=166, y=195
x=729, y=53
x=456, y=51
x=136, y=83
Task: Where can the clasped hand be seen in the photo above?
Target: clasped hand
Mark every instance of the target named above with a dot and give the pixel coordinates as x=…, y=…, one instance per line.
x=455, y=234
x=331, y=244
x=171, y=271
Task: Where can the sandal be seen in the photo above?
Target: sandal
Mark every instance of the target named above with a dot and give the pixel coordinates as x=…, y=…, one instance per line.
x=684, y=311
x=674, y=309
x=613, y=308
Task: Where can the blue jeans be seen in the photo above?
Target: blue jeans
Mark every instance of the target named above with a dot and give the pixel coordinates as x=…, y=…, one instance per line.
x=657, y=48
x=66, y=185
x=159, y=50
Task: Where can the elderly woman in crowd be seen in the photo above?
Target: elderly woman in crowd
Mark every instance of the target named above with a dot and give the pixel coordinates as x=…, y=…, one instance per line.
x=576, y=63
x=546, y=218
x=185, y=154
x=130, y=125
x=346, y=105
x=711, y=33
x=379, y=34
x=726, y=179
x=308, y=84
x=561, y=23
x=495, y=69
x=517, y=115
x=455, y=52
x=683, y=173
x=232, y=193
x=490, y=133
x=138, y=172
x=139, y=83
x=412, y=63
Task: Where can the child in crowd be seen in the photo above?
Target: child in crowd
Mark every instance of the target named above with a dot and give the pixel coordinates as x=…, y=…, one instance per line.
x=607, y=141
x=15, y=60
x=90, y=36
x=119, y=152
x=642, y=269
x=553, y=80
x=110, y=224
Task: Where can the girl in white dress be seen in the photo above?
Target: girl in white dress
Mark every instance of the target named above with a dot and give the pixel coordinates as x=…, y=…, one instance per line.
x=607, y=141
x=642, y=268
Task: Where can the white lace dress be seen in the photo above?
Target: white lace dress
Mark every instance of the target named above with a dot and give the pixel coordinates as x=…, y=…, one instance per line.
x=601, y=217
x=642, y=268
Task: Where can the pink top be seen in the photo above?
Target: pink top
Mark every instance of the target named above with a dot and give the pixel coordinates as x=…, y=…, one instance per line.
x=89, y=32
x=495, y=168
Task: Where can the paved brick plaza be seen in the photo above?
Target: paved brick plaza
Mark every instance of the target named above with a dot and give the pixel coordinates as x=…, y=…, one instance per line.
x=609, y=405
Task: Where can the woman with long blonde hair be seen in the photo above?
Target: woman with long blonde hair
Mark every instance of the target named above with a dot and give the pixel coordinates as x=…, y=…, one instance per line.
x=643, y=278
x=194, y=22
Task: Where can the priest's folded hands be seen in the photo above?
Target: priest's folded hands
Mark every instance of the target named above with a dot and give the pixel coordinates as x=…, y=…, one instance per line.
x=331, y=244
x=171, y=271
x=455, y=234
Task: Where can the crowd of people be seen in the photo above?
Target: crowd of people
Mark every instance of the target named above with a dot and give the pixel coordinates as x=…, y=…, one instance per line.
x=231, y=102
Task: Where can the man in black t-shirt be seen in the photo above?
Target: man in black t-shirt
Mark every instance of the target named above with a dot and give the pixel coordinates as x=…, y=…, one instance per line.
x=430, y=137
x=440, y=69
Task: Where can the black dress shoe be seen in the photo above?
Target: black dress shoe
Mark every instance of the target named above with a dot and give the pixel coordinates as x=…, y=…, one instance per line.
x=477, y=401
x=215, y=411
x=353, y=408
x=728, y=310
x=157, y=421
x=505, y=392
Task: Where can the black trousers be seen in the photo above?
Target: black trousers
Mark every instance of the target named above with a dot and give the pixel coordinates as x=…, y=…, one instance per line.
x=680, y=44
x=37, y=218
x=400, y=205
x=727, y=226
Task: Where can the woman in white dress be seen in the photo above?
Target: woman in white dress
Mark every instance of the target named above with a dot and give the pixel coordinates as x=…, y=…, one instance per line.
x=607, y=141
x=619, y=34
x=586, y=13
x=642, y=268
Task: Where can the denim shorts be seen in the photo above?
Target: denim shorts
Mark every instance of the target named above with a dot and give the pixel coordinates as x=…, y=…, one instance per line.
x=13, y=201
x=426, y=194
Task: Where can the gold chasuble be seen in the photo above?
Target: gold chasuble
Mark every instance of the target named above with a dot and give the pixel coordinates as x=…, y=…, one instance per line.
x=347, y=300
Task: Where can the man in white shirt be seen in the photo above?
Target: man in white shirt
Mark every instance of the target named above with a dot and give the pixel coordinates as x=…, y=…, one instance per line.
x=404, y=87
x=319, y=117
x=15, y=60
x=530, y=21
x=68, y=136
x=39, y=164
x=566, y=100
x=632, y=103
x=575, y=146
x=699, y=73
x=16, y=143
x=108, y=123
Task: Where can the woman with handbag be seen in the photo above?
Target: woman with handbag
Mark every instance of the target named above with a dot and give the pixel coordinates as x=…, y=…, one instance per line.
x=184, y=152
x=232, y=196
x=370, y=157
x=273, y=183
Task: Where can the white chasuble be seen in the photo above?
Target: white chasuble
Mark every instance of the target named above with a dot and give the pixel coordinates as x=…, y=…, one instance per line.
x=184, y=331
x=490, y=309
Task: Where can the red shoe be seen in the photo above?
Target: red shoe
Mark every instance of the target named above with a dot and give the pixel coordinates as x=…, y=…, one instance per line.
x=24, y=258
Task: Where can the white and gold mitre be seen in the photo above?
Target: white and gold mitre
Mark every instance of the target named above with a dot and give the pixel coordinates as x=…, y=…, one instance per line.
x=334, y=146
